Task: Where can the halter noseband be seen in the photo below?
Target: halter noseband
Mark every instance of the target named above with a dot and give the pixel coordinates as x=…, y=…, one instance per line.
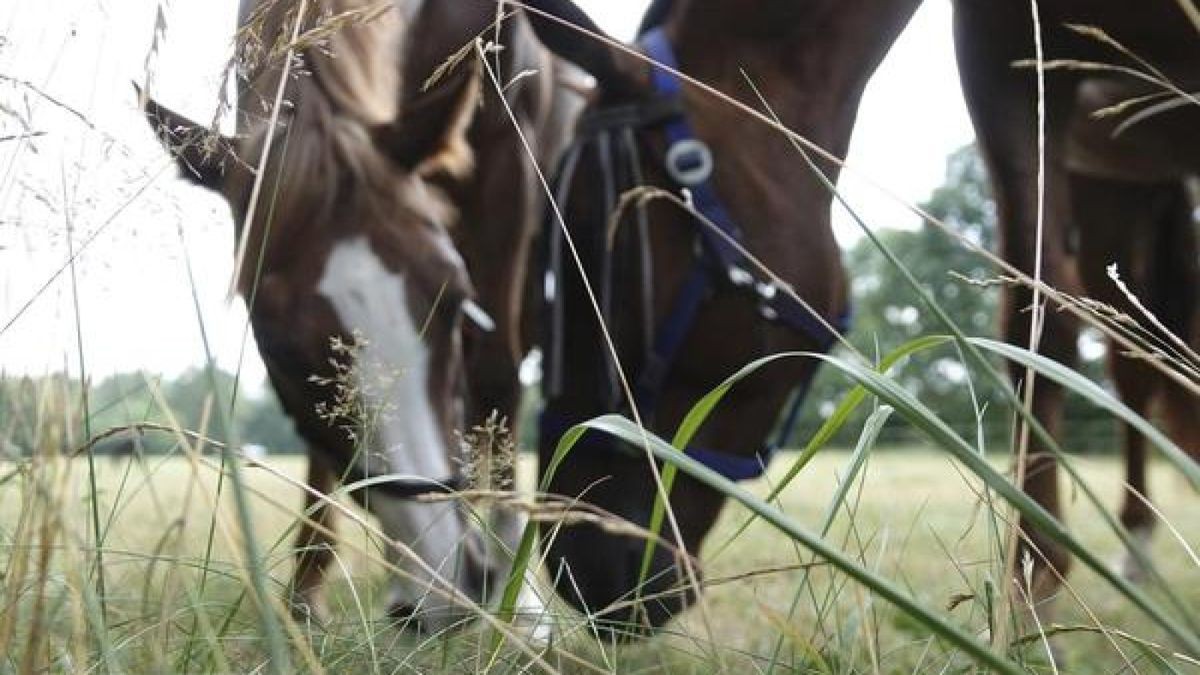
x=689, y=162
x=405, y=488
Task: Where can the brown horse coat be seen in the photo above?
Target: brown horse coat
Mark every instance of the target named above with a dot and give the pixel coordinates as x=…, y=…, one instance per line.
x=1121, y=198
x=810, y=61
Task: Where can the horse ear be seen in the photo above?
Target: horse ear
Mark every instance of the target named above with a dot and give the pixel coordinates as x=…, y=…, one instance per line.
x=202, y=156
x=556, y=23
x=430, y=136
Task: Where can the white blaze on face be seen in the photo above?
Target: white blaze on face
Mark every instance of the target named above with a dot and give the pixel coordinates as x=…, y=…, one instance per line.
x=393, y=375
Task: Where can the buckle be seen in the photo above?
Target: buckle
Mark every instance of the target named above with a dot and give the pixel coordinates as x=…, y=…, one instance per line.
x=689, y=162
x=739, y=277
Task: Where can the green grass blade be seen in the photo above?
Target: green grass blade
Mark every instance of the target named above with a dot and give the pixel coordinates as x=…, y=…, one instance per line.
x=938, y=431
x=866, y=443
x=834, y=424
x=512, y=587
x=1096, y=395
x=628, y=431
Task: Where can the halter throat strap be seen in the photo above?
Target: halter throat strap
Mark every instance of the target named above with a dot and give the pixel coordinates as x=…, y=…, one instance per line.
x=368, y=481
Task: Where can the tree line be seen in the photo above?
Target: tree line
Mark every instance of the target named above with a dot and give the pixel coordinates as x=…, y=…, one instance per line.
x=52, y=413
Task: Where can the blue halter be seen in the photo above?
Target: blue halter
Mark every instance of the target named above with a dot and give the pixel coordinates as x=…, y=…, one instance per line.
x=689, y=162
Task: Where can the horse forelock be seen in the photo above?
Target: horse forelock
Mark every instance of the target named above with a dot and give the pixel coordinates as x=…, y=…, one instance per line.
x=349, y=48
x=325, y=169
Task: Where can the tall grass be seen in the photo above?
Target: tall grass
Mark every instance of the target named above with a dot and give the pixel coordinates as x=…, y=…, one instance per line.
x=824, y=609
x=180, y=562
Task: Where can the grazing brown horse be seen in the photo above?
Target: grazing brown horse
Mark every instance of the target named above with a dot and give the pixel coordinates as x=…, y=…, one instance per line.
x=1121, y=198
x=684, y=308
x=352, y=258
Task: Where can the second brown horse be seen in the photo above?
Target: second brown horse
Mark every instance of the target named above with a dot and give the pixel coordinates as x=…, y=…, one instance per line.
x=684, y=309
x=1109, y=198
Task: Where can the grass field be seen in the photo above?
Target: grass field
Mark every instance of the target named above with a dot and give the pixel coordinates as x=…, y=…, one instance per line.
x=914, y=519
x=170, y=564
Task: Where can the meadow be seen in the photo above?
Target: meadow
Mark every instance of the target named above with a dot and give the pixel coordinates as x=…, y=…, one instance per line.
x=883, y=552
x=172, y=604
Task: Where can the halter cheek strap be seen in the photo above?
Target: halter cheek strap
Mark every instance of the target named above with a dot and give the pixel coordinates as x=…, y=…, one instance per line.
x=689, y=162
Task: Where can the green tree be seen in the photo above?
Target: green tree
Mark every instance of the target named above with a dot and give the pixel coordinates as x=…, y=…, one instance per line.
x=45, y=413
x=261, y=420
x=887, y=313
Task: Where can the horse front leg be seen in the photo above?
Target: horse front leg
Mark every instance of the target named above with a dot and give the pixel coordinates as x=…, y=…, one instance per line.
x=1182, y=292
x=1003, y=105
x=500, y=219
x=314, y=545
x=1181, y=405
x=1139, y=386
x=1136, y=386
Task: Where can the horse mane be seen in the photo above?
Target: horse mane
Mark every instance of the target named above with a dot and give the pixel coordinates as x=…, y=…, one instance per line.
x=655, y=16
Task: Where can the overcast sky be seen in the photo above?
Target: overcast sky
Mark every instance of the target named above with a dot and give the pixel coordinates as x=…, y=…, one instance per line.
x=94, y=170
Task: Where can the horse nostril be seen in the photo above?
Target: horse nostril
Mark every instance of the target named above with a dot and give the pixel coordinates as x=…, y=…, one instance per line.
x=406, y=616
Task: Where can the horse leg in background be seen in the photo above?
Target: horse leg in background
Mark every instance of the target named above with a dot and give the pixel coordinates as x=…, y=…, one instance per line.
x=1178, y=290
x=503, y=215
x=1173, y=285
x=497, y=251
x=1107, y=211
x=1181, y=408
x=501, y=220
x=1136, y=386
x=314, y=544
x=1177, y=296
x=1002, y=104
x=1145, y=230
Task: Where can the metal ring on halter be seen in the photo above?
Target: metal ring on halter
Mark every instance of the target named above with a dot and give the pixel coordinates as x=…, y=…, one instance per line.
x=689, y=162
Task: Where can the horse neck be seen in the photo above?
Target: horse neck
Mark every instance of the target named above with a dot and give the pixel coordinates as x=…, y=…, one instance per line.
x=736, y=23
x=446, y=28
x=832, y=45
x=810, y=61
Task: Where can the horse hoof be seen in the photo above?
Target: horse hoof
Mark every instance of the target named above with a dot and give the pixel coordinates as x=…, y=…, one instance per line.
x=1131, y=569
x=533, y=617
x=405, y=616
x=308, y=611
x=1130, y=565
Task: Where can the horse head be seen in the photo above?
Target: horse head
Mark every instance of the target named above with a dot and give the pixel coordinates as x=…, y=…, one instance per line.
x=357, y=295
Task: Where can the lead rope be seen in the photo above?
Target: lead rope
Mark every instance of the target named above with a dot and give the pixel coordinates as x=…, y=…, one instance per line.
x=644, y=252
x=604, y=151
x=552, y=282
